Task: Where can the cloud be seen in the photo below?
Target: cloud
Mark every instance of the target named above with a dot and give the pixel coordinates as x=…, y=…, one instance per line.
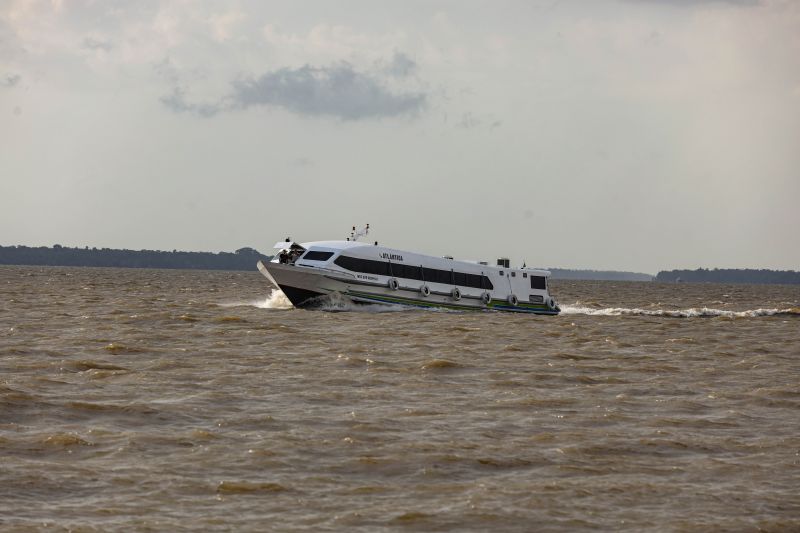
x=469, y=121
x=177, y=102
x=10, y=80
x=401, y=66
x=338, y=91
x=223, y=26
x=303, y=162
x=91, y=43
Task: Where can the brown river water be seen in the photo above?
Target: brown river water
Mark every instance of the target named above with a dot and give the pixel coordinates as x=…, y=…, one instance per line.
x=191, y=400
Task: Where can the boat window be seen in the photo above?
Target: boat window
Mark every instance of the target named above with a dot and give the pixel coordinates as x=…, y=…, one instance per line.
x=351, y=263
x=383, y=268
x=400, y=270
x=406, y=271
x=538, y=282
x=501, y=273
x=536, y=298
x=513, y=274
x=524, y=274
x=474, y=280
x=317, y=256
x=443, y=276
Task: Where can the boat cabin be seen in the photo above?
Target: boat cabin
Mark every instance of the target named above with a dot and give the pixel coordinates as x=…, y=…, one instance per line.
x=377, y=265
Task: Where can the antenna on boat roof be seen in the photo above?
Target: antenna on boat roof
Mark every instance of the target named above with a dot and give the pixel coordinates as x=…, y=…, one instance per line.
x=354, y=235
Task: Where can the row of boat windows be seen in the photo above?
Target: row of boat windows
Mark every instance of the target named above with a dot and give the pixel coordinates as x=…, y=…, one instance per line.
x=399, y=270
x=432, y=275
x=537, y=282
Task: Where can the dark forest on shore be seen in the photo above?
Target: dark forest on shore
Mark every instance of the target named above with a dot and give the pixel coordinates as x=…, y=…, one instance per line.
x=246, y=258
x=730, y=275
x=241, y=259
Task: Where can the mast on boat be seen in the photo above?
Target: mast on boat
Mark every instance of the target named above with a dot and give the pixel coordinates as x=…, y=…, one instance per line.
x=355, y=234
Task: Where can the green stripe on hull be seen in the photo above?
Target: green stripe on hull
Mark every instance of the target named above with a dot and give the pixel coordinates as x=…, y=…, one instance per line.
x=495, y=305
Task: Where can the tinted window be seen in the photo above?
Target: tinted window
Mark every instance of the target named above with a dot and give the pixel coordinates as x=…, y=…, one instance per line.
x=317, y=256
x=381, y=268
x=474, y=280
x=406, y=271
x=349, y=263
x=400, y=270
x=538, y=282
x=443, y=276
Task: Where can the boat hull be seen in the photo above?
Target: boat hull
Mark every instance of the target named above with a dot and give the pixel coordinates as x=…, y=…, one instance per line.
x=308, y=287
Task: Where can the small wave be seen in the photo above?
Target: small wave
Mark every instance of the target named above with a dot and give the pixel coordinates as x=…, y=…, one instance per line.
x=121, y=348
x=410, y=517
x=353, y=360
x=65, y=440
x=230, y=319
x=244, y=487
x=83, y=365
x=440, y=364
x=695, y=312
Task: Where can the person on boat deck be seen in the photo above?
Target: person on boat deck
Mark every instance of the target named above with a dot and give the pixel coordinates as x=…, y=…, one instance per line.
x=283, y=257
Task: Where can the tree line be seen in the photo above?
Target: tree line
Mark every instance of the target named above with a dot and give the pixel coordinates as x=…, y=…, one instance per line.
x=598, y=275
x=730, y=275
x=241, y=259
x=246, y=258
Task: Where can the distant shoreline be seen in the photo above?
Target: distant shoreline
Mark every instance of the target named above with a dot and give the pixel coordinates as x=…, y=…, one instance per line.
x=241, y=259
x=597, y=275
x=730, y=275
x=245, y=259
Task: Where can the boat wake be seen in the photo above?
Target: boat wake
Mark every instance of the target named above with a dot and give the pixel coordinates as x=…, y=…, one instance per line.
x=338, y=303
x=276, y=300
x=333, y=303
x=695, y=312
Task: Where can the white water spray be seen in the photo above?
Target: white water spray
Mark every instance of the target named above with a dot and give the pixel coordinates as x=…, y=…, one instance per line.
x=695, y=312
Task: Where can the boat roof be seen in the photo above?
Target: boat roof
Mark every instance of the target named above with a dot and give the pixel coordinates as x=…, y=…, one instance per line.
x=345, y=245
x=335, y=245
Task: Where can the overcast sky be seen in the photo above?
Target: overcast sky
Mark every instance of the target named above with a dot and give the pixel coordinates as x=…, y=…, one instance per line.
x=619, y=134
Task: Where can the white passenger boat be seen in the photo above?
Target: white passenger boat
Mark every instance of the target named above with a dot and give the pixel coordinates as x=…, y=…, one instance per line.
x=368, y=273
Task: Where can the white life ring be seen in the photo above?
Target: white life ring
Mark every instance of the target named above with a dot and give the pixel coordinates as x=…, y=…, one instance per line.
x=512, y=299
x=393, y=284
x=486, y=298
x=455, y=293
x=425, y=290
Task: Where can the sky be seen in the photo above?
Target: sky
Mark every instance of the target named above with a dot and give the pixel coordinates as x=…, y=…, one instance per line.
x=606, y=134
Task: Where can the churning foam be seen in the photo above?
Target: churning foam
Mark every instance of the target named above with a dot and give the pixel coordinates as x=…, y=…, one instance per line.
x=333, y=302
x=276, y=300
x=701, y=312
x=336, y=302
